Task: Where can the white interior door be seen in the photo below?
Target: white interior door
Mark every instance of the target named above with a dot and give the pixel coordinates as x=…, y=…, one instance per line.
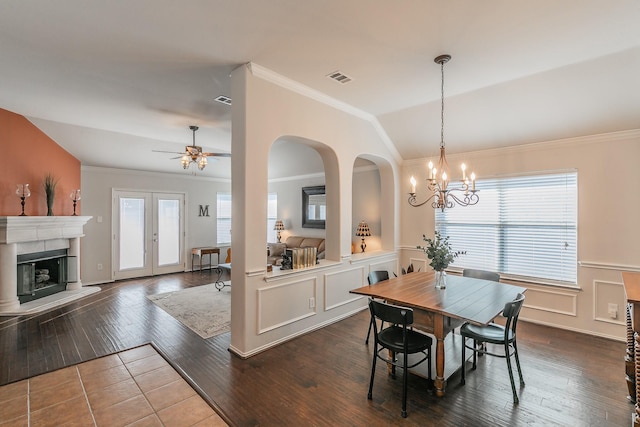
x=148, y=233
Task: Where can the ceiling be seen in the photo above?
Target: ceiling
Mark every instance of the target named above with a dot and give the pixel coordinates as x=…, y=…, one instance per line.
x=113, y=81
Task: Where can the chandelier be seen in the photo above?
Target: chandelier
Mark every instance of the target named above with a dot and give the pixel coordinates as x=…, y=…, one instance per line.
x=442, y=193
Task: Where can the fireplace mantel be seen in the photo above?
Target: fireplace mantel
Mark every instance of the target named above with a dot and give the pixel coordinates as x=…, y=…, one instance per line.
x=22, y=229
x=20, y=234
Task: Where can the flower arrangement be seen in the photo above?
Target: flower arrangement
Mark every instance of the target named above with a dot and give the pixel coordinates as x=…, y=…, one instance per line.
x=439, y=251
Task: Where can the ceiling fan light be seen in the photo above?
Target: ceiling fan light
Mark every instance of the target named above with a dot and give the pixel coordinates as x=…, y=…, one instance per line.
x=202, y=163
x=185, y=162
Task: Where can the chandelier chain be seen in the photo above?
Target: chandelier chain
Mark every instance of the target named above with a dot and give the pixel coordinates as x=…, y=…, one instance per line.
x=442, y=105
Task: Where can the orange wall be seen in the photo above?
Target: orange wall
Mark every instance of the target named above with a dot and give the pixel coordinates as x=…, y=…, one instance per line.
x=26, y=156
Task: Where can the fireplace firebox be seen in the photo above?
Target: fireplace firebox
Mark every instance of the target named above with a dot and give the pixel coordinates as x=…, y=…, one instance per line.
x=44, y=273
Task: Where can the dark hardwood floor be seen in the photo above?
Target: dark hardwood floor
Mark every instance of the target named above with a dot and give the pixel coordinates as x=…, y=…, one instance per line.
x=322, y=378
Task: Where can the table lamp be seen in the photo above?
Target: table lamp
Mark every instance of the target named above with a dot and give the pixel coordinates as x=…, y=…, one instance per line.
x=279, y=226
x=363, y=231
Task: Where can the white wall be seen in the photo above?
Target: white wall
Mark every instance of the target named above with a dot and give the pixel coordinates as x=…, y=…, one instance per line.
x=97, y=185
x=366, y=203
x=608, y=232
x=268, y=309
x=290, y=205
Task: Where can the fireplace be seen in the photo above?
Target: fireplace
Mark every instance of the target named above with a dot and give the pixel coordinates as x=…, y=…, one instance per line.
x=40, y=263
x=44, y=273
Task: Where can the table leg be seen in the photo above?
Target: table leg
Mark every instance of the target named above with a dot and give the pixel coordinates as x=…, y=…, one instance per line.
x=438, y=331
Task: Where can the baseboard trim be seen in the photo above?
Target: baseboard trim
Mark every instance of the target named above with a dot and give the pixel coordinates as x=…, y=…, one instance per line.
x=248, y=354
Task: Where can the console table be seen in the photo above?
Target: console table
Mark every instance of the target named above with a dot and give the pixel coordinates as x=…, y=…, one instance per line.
x=632, y=357
x=202, y=252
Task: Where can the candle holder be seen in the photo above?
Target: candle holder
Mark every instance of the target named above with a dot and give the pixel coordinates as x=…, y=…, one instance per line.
x=75, y=196
x=23, y=192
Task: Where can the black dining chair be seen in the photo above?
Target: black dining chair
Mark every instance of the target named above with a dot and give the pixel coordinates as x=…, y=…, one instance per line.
x=373, y=278
x=496, y=334
x=484, y=275
x=481, y=274
x=397, y=338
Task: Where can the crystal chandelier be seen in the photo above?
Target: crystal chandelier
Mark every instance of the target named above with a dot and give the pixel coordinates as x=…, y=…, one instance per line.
x=441, y=191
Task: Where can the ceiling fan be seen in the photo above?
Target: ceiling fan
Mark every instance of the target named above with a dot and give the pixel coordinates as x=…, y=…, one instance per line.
x=194, y=154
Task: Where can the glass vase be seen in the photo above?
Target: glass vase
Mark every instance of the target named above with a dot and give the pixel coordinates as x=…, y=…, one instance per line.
x=441, y=279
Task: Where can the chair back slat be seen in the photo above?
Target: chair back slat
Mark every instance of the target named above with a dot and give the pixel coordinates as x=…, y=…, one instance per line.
x=481, y=274
x=377, y=276
x=391, y=313
x=511, y=312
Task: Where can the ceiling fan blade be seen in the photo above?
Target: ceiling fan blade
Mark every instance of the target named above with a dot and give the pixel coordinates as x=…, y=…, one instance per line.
x=217, y=154
x=170, y=152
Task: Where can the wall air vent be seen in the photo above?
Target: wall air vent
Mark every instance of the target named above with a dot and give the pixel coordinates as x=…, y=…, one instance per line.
x=339, y=77
x=224, y=99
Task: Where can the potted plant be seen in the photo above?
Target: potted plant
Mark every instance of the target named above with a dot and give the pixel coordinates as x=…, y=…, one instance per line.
x=50, y=191
x=441, y=254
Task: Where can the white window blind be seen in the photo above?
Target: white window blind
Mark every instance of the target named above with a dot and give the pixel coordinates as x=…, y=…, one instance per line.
x=272, y=215
x=523, y=227
x=223, y=219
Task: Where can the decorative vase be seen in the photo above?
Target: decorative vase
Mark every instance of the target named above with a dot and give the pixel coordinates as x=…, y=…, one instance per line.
x=49, y=205
x=441, y=279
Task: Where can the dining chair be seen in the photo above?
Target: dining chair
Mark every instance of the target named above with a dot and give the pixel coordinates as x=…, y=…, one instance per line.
x=484, y=275
x=481, y=274
x=397, y=338
x=496, y=334
x=373, y=278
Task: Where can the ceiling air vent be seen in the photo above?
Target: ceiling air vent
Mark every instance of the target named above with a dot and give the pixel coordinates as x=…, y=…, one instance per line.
x=224, y=99
x=339, y=77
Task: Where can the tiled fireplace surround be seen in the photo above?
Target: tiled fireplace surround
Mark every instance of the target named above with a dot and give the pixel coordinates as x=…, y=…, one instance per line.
x=21, y=235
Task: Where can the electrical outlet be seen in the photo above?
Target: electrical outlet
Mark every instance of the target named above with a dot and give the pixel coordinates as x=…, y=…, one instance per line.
x=613, y=310
x=99, y=267
x=312, y=302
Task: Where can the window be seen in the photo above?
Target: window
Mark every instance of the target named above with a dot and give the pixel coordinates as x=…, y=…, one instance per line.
x=272, y=215
x=223, y=219
x=524, y=227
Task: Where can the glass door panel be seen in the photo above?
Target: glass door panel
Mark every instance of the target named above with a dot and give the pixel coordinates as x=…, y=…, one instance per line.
x=132, y=233
x=168, y=233
x=148, y=234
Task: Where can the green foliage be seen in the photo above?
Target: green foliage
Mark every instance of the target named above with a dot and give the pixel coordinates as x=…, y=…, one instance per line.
x=439, y=251
x=50, y=185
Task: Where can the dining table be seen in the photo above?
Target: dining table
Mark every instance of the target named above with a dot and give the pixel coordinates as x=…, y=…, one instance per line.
x=438, y=311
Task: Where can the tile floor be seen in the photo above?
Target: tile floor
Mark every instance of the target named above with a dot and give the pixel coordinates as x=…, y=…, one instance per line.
x=132, y=388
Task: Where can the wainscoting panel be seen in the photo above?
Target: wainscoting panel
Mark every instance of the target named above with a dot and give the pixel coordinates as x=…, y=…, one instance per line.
x=270, y=314
x=605, y=293
x=419, y=264
x=552, y=301
x=337, y=286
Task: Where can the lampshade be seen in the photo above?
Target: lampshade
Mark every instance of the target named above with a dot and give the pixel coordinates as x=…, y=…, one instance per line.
x=279, y=226
x=363, y=230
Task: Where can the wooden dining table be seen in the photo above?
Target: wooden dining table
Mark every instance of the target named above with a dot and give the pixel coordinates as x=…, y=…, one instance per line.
x=440, y=311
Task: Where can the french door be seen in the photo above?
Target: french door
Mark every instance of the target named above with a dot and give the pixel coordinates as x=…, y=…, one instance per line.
x=148, y=233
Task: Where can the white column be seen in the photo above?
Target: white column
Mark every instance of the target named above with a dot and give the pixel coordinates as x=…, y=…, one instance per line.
x=9, y=278
x=74, y=250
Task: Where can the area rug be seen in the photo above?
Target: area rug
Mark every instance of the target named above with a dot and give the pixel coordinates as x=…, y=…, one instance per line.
x=203, y=309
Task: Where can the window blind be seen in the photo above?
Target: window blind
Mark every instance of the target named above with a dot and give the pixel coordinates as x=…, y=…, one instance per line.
x=272, y=215
x=524, y=227
x=223, y=219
